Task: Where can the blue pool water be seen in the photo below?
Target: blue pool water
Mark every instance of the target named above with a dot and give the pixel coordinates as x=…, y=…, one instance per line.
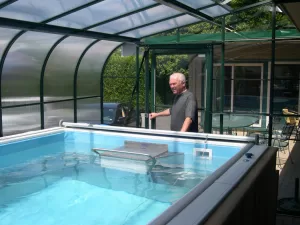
x=56, y=179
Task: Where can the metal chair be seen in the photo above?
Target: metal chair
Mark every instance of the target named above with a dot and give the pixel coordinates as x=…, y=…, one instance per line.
x=281, y=139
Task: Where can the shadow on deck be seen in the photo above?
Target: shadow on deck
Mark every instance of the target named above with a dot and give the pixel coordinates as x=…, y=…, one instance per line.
x=286, y=186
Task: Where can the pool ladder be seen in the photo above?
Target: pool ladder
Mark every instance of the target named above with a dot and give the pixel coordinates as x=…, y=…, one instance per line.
x=99, y=151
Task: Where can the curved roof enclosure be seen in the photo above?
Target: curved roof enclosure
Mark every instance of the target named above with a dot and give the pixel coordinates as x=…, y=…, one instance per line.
x=41, y=40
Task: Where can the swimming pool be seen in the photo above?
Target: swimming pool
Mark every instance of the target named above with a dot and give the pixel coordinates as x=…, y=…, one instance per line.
x=54, y=177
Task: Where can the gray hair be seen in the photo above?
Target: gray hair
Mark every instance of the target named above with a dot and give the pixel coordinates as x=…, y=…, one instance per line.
x=178, y=76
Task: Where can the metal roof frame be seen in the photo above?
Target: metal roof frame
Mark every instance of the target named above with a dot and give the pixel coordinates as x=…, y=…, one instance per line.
x=187, y=10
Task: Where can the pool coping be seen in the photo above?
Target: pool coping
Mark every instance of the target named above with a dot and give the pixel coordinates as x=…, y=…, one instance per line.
x=207, y=194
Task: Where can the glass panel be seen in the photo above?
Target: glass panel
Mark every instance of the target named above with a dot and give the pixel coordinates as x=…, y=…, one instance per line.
x=5, y=36
x=162, y=26
x=227, y=89
x=286, y=88
x=102, y=11
x=37, y=10
x=59, y=73
x=214, y=11
x=88, y=110
x=137, y=19
x=247, y=72
x=22, y=68
x=21, y=119
x=247, y=89
x=54, y=112
x=196, y=4
x=88, y=80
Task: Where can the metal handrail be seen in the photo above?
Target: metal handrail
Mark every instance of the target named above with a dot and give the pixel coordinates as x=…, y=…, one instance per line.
x=96, y=150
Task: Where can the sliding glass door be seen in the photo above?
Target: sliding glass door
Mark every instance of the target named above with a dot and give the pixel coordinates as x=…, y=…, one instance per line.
x=243, y=88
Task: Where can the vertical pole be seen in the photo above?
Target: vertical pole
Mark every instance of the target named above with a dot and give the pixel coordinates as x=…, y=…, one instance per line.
x=101, y=97
x=178, y=35
x=209, y=94
x=272, y=76
x=222, y=78
x=153, y=87
x=147, y=89
x=137, y=65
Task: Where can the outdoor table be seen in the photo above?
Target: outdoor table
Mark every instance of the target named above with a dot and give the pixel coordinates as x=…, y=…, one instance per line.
x=233, y=121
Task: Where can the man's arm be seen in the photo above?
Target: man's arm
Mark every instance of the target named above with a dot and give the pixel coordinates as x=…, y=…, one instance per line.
x=186, y=124
x=162, y=113
x=190, y=112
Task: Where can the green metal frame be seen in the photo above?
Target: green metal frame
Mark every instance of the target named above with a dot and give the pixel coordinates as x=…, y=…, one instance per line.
x=102, y=83
x=6, y=3
x=160, y=49
x=153, y=85
x=222, y=78
x=171, y=49
x=209, y=91
x=137, y=84
x=75, y=84
x=147, y=87
x=270, y=132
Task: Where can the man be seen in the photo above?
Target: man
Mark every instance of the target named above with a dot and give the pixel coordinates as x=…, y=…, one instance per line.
x=184, y=115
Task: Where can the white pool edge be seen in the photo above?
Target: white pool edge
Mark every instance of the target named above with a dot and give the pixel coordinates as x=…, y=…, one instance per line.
x=206, y=195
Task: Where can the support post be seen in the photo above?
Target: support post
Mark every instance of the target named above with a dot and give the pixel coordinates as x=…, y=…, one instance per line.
x=153, y=88
x=147, y=89
x=270, y=131
x=209, y=92
x=137, y=69
x=222, y=78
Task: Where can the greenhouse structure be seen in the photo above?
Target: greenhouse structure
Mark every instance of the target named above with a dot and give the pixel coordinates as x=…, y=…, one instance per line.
x=108, y=62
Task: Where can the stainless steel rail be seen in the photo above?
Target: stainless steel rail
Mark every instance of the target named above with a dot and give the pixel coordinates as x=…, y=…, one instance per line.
x=100, y=150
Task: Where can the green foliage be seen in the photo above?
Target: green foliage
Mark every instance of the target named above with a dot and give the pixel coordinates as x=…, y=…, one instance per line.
x=120, y=76
x=120, y=71
x=119, y=79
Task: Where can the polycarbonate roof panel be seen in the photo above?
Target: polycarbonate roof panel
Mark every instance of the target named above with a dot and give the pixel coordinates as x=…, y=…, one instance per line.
x=100, y=12
x=196, y=4
x=59, y=73
x=23, y=65
x=137, y=19
x=88, y=79
x=147, y=16
x=5, y=36
x=38, y=10
x=214, y=11
x=162, y=26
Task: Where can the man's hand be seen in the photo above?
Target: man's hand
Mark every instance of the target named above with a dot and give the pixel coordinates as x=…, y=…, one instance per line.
x=153, y=115
x=163, y=113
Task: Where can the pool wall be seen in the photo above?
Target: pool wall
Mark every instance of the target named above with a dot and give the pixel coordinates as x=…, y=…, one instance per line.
x=203, y=202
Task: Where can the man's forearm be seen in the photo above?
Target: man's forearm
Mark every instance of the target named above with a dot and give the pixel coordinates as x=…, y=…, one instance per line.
x=164, y=113
x=186, y=124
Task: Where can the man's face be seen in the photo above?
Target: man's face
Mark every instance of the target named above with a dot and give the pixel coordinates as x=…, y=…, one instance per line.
x=176, y=86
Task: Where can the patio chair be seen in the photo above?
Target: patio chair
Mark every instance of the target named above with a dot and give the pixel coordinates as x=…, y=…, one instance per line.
x=281, y=139
x=263, y=132
x=293, y=120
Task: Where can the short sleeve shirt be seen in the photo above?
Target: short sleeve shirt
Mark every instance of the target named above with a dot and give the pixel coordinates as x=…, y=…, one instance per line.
x=184, y=105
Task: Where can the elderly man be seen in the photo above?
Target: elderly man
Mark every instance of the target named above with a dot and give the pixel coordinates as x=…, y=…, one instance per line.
x=184, y=115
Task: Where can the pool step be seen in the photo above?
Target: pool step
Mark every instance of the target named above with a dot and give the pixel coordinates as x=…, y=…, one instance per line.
x=138, y=157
